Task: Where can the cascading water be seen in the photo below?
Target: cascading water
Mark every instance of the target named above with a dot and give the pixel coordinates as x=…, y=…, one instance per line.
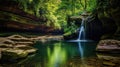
x=81, y=38
x=82, y=34
x=82, y=30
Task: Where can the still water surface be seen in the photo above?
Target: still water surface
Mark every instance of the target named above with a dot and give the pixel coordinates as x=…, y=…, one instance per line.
x=59, y=54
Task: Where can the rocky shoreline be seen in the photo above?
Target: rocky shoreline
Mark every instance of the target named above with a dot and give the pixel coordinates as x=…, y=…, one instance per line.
x=109, y=46
x=16, y=46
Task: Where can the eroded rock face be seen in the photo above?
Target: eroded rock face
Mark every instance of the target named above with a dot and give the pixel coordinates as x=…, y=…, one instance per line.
x=47, y=38
x=108, y=46
x=108, y=60
x=15, y=47
x=8, y=54
x=109, y=14
x=16, y=53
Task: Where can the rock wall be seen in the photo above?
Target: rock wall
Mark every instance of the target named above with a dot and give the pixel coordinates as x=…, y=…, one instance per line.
x=109, y=14
x=15, y=19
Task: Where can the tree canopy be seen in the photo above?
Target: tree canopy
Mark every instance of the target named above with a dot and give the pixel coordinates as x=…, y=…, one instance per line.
x=56, y=11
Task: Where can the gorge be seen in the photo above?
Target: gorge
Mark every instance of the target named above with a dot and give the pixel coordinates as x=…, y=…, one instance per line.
x=59, y=33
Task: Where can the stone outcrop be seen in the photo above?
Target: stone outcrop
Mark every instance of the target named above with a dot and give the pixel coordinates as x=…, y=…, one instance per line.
x=15, y=19
x=109, y=13
x=15, y=47
x=20, y=40
x=108, y=60
x=93, y=27
x=104, y=22
x=47, y=38
x=8, y=54
x=110, y=46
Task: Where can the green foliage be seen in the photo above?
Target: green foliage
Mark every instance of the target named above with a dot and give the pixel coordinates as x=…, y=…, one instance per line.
x=91, y=5
x=56, y=11
x=70, y=29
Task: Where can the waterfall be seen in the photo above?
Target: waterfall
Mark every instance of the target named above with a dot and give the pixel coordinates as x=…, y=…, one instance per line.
x=82, y=30
x=81, y=39
x=82, y=33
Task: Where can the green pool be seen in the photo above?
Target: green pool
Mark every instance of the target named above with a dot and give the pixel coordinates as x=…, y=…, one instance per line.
x=57, y=54
x=61, y=54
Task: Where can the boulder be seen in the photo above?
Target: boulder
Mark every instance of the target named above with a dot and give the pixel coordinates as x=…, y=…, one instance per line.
x=17, y=53
x=18, y=39
x=48, y=38
x=9, y=54
x=26, y=43
x=28, y=49
x=2, y=39
x=8, y=42
x=109, y=60
x=2, y=45
x=15, y=47
x=15, y=36
x=108, y=45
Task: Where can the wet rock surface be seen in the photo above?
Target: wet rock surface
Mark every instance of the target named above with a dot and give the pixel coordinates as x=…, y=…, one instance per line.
x=109, y=45
x=13, y=54
x=109, y=60
x=84, y=62
x=102, y=60
x=48, y=38
x=15, y=47
x=109, y=13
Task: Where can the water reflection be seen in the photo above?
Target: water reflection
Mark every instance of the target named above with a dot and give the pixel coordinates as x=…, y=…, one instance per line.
x=80, y=49
x=109, y=60
x=59, y=54
x=64, y=54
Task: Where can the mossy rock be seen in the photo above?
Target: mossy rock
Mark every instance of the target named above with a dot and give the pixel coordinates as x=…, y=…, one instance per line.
x=13, y=54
